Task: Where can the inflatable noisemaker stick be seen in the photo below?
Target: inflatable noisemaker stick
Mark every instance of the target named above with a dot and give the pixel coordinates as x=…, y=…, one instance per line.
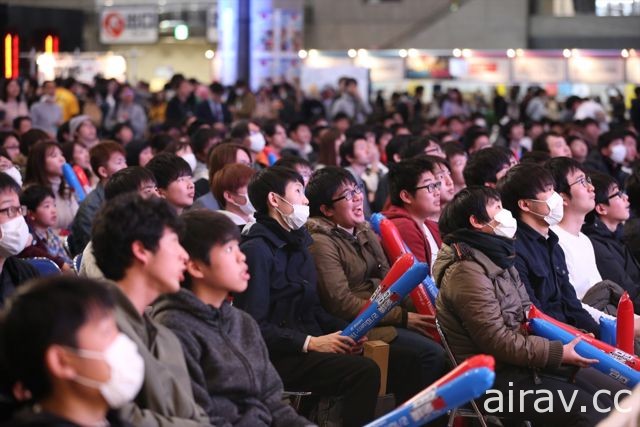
x=385, y=301
x=82, y=178
x=395, y=247
x=437, y=399
x=608, y=330
x=72, y=180
x=606, y=364
x=398, y=268
x=629, y=359
x=474, y=362
x=624, y=329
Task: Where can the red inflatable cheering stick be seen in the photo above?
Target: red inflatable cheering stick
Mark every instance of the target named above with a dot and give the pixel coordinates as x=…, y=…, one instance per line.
x=625, y=330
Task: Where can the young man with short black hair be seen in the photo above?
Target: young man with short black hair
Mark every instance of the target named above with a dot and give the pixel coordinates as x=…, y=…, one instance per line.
x=303, y=340
x=486, y=167
x=231, y=375
x=136, y=245
x=174, y=179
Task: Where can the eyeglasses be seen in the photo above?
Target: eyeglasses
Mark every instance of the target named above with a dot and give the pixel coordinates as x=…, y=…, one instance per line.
x=618, y=193
x=431, y=187
x=349, y=194
x=13, y=211
x=584, y=181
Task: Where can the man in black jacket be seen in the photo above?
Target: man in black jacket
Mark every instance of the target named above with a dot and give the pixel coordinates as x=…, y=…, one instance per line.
x=604, y=228
x=303, y=340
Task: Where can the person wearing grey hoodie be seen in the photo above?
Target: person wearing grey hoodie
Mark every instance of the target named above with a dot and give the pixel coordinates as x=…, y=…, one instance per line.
x=232, y=377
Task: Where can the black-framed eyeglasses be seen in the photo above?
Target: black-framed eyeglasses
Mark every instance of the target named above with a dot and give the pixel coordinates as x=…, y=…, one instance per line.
x=13, y=211
x=584, y=181
x=431, y=187
x=349, y=194
x=618, y=193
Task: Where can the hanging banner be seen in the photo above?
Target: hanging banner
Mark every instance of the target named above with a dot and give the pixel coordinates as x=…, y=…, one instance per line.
x=596, y=70
x=491, y=70
x=528, y=69
x=123, y=25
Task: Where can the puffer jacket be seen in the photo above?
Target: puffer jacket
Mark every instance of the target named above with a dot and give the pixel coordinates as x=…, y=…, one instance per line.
x=412, y=233
x=350, y=268
x=481, y=308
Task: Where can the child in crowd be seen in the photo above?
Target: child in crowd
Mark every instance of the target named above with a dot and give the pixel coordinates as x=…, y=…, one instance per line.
x=231, y=374
x=41, y=218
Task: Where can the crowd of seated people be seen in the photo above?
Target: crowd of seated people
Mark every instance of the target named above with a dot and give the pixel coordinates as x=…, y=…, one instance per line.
x=207, y=252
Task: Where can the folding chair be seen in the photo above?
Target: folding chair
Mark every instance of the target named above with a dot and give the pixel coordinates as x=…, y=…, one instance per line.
x=474, y=412
x=45, y=266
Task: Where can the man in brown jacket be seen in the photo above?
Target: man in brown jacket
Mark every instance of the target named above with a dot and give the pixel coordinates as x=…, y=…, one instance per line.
x=482, y=307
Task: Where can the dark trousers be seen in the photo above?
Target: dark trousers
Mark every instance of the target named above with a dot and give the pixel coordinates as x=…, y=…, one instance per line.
x=582, y=413
x=354, y=378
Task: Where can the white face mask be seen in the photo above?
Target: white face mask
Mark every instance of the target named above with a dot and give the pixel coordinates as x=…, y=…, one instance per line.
x=507, y=224
x=15, y=235
x=556, y=210
x=257, y=142
x=191, y=159
x=297, y=218
x=127, y=371
x=618, y=154
x=14, y=173
x=247, y=208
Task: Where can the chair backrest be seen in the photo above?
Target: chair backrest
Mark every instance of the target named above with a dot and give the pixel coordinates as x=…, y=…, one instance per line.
x=445, y=344
x=77, y=262
x=45, y=266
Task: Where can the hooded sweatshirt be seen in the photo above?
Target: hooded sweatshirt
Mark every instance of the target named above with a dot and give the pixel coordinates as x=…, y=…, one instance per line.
x=231, y=375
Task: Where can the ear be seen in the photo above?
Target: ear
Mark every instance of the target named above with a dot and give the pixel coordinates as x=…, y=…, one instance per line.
x=601, y=209
x=227, y=197
x=140, y=253
x=272, y=199
x=523, y=205
x=162, y=192
x=326, y=211
x=490, y=184
x=565, y=199
x=406, y=197
x=397, y=158
x=56, y=362
x=102, y=172
x=194, y=268
x=475, y=223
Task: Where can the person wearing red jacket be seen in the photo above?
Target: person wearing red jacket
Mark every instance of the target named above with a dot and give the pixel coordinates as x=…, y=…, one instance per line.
x=415, y=196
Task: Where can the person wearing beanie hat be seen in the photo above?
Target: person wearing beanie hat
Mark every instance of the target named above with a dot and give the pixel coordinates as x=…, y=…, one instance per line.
x=83, y=130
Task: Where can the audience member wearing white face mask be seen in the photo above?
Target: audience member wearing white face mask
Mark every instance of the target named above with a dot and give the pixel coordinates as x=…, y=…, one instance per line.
x=76, y=366
x=14, y=237
x=230, y=186
x=609, y=157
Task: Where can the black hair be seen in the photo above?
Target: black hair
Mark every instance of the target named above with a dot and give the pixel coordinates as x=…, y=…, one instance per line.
x=471, y=135
x=204, y=229
x=347, y=149
x=483, y=166
x=323, y=185
x=397, y=145
x=133, y=150
x=560, y=167
x=608, y=137
x=240, y=130
x=537, y=157
x=124, y=220
x=467, y=202
x=45, y=312
x=167, y=168
x=35, y=194
x=340, y=116
x=602, y=184
x=632, y=187
x=274, y=179
x=453, y=149
x=270, y=126
x=293, y=127
x=160, y=141
x=405, y=176
x=541, y=144
x=417, y=147
x=18, y=121
x=127, y=180
x=8, y=184
x=292, y=161
x=201, y=138
x=523, y=181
